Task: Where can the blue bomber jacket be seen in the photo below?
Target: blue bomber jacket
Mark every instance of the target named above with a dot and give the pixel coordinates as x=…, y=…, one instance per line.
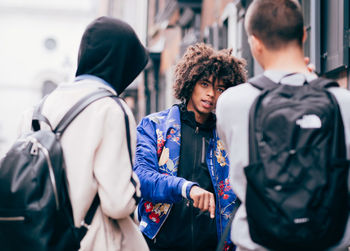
x=156, y=163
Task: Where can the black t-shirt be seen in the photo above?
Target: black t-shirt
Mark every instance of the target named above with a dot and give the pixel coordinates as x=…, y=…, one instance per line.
x=187, y=228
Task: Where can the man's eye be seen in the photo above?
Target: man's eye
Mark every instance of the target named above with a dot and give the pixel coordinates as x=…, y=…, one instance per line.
x=204, y=84
x=221, y=90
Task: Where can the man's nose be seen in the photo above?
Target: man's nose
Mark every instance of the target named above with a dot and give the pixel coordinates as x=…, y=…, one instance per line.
x=211, y=91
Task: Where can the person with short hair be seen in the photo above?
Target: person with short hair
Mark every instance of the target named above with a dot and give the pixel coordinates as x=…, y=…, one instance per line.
x=182, y=164
x=276, y=35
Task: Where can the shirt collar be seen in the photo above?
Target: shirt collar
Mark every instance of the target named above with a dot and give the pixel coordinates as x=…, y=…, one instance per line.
x=279, y=76
x=92, y=77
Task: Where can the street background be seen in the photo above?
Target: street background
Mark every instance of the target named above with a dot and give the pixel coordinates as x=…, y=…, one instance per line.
x=40, y=39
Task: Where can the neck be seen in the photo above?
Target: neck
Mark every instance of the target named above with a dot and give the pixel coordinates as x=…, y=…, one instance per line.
x=289, y=59
x=201, y=118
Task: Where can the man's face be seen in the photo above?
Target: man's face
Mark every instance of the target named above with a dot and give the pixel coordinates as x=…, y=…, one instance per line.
x=204, y=97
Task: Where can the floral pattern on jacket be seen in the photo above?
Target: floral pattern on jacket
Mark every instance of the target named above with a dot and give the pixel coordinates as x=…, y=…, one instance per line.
x=157, y=158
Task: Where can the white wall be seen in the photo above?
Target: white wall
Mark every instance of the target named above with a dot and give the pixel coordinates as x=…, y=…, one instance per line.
x=25, y=62
x=134, y=12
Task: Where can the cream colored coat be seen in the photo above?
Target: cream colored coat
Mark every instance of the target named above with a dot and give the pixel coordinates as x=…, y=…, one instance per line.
x=95, y=151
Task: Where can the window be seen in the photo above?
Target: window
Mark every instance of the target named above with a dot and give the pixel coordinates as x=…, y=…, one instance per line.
x=223, y=35
x=312, y=17
x=50, y=44
x=334, y=35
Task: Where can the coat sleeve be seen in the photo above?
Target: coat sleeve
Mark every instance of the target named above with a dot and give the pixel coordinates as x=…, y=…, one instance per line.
x=118, y=185
x=155, y=186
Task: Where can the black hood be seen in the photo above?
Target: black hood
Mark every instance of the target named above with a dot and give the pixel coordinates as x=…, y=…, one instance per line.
x=111, y=50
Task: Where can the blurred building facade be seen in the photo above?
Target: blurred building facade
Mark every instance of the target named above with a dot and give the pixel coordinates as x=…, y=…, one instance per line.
x=38, y=49
x=40, y=41
x=173, y=25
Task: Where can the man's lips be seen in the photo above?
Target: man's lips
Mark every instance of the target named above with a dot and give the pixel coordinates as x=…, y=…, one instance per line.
x=207, y=103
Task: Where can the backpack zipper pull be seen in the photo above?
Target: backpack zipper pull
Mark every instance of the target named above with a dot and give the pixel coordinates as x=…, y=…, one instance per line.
x=196, y=131
x=34, y=149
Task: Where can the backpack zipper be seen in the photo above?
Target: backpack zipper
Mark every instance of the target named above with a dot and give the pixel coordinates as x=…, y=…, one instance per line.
x=194, y=169
x=34, y=151
x=14, y=218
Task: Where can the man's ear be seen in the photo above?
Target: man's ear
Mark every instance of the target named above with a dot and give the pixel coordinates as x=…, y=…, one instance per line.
x=304, y=35
x=256, y=44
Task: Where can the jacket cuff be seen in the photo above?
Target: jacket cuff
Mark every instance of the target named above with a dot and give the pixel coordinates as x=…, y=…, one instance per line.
x=186, y=187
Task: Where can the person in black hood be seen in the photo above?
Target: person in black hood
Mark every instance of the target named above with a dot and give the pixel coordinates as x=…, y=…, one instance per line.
x=111, y=50
x=95, y=145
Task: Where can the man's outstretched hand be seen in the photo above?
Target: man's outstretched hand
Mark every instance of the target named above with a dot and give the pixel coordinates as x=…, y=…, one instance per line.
x=203, y=200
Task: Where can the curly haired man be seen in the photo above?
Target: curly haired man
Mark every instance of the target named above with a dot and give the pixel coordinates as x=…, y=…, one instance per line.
x=182, y=165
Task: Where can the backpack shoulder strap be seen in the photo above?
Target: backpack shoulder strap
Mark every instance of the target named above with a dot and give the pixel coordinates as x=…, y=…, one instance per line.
x=38, y=116
x=262, y=82
x=67, y=119
x=78, y=108
x=85, y=224
x=127, y=127
x=83, y=103
x=324, y=83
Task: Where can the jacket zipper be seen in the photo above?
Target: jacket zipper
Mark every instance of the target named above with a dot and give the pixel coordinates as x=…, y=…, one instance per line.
x=203, y=150
x=166, y=217
x=194, y=169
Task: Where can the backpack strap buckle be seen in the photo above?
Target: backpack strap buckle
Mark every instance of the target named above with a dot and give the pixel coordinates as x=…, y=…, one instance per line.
x=84, y=224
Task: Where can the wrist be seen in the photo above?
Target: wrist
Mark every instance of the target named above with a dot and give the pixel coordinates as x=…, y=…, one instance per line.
x=188, y=188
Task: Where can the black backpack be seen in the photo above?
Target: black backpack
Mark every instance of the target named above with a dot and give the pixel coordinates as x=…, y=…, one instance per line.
x=297, y=195
x=35, y=210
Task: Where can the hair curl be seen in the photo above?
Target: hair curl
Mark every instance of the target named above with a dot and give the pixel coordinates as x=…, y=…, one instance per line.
x=202, y=61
